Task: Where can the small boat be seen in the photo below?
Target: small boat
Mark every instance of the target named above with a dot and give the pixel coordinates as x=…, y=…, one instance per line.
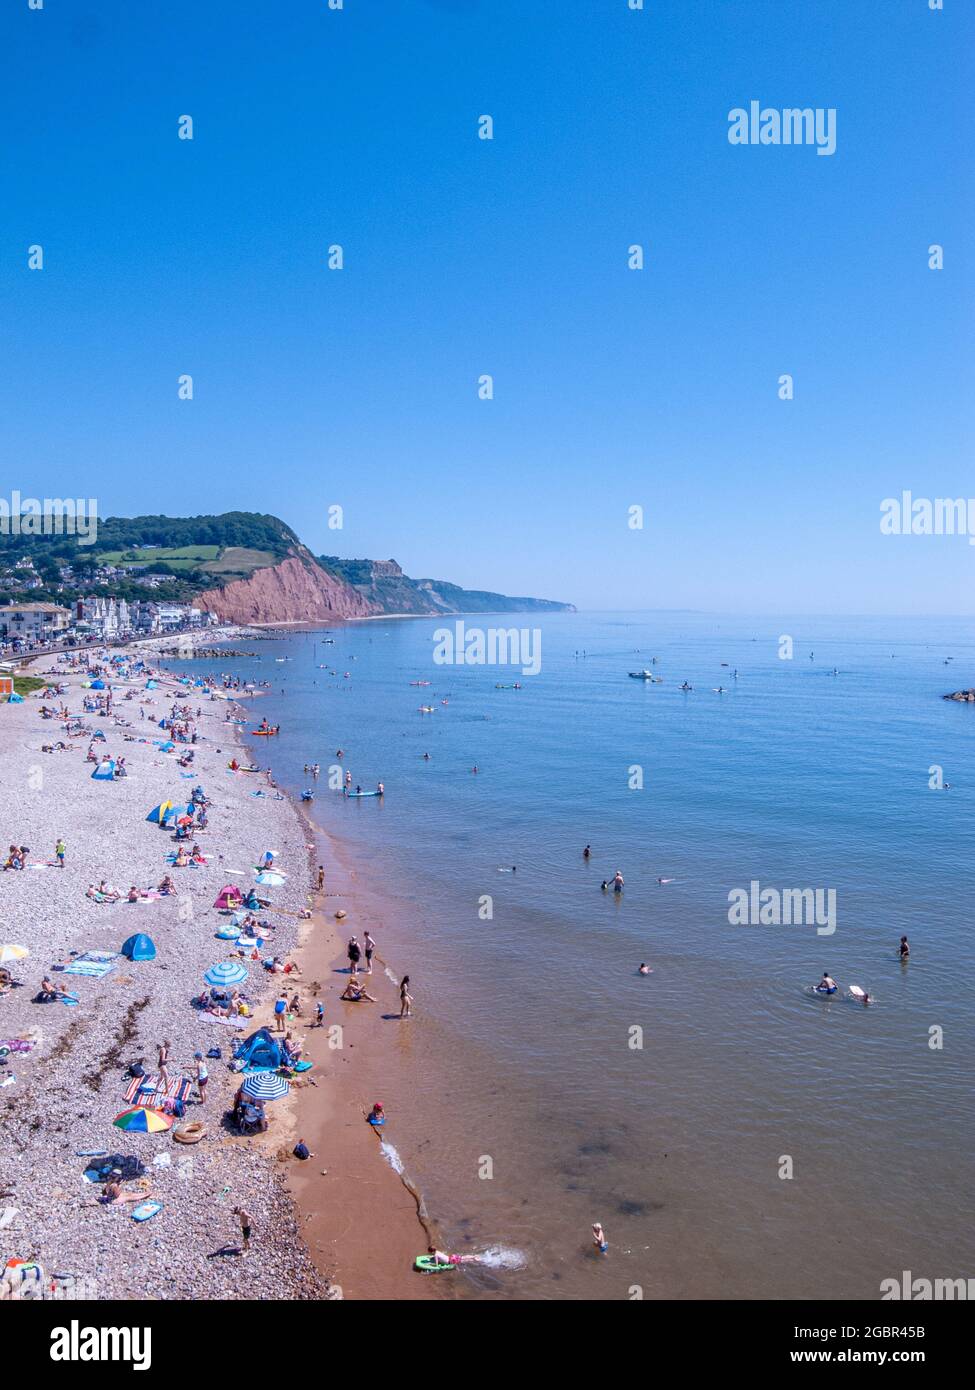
x=426, y=709
x=419, y=682
x=643, y=675
x=346, y=792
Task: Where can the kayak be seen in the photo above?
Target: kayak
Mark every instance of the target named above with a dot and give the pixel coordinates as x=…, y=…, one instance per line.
x=426, y=1264
x=350, y=794
x=263, y=733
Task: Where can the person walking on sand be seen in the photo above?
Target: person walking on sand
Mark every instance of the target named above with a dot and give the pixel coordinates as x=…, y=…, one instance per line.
x=319, y=1014
x=369, y=946
x=321, y=878
x=244, y=1217
x=280, y=1009
x=60, y=850
x=164, y=1062
x=599, y=1238
x=405, y=998
x=202, y=1075
x=354, y=955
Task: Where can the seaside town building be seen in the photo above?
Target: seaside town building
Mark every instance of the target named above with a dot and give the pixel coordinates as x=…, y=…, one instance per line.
x=33, y=621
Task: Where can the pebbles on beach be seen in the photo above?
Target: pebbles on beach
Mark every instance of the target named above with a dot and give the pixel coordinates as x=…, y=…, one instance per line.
x=71, y=1085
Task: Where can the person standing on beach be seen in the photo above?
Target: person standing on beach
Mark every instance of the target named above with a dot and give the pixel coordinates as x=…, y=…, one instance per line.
x=202, y=1075
x=321, y=878
x=319, y=1014
x=354, y=955
x=405, y=998
x=163, y=1061
x=370, y=946
x=280, y=1009
x=244, y=1218
x=59, y=852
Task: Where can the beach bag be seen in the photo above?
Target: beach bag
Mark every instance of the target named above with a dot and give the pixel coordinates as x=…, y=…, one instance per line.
x=215, y=1052
x=137, y=1069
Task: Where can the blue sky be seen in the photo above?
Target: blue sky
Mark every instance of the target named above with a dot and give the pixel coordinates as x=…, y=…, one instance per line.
x=612, y=387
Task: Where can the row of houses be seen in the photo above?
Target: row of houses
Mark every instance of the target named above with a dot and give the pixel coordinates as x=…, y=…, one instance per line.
x=98, y=619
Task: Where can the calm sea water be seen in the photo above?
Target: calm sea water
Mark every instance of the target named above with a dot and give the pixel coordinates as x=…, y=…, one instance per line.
x=524, y=1061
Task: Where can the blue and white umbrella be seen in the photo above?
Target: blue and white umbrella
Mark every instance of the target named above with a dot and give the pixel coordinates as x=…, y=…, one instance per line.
x=265, y=1085
x=270, y=878
x=226, y=972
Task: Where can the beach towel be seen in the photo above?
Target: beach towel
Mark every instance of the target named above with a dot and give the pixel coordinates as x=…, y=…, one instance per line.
x=149, y=1091
x=219, y=1018
x=146, y=1209
x=93, y=964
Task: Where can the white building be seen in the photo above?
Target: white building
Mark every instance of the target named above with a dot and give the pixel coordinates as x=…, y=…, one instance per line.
x=32, y=621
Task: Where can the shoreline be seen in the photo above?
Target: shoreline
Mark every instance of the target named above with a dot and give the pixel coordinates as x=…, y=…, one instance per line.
x=102, y=1252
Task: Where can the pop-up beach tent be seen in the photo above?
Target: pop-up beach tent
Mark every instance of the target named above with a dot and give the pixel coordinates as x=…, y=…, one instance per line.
x=229, y=896
x=260, y=1052
x=139, y=947
x=104, y=772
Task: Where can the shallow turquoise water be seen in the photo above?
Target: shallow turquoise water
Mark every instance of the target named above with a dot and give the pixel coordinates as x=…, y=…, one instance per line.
x=523, y=1048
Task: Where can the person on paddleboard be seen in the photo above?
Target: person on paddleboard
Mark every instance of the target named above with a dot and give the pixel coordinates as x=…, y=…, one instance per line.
x=827, y=984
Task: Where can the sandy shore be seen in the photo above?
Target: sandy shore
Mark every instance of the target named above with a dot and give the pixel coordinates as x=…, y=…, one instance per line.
x=71, y=1084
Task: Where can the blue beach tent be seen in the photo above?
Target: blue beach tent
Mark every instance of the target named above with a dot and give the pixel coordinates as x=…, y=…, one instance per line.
x=260, y=1052
x=139, y=947
x=104, y=772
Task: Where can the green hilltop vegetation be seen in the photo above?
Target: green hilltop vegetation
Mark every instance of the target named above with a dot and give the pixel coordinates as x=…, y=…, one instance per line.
x=189, y=554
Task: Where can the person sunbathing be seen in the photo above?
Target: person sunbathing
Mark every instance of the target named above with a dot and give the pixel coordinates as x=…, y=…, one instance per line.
x=355, y=993
x=181, y=860
x=134, y=894
x=167, y=887
x=108, y=892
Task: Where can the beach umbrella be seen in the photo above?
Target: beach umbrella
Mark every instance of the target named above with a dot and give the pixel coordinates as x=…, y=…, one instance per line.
x=265, y=1085
x=226, y=972
x=272, y=880
x=160, y=812
x=10, y=953
x=143, y=1120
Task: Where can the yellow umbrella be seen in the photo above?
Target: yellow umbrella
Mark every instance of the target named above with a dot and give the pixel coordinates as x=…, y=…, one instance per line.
x=9, y=953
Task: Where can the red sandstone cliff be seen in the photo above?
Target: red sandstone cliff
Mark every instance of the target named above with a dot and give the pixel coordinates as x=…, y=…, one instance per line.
x=295, y=590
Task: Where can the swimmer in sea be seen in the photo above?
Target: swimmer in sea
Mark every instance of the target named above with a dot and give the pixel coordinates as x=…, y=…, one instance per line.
x=426, y=757
x=604, y=885
x=666, y=880
x=827, y=984
x=599, y=1238
x=645, y=969
x=617, y=882
x=904, y=950
x=587, y=852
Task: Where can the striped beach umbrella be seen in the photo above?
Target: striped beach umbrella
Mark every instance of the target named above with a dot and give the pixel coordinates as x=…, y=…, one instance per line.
x=266, y=1085
x=226, y=972
x=142, y=1120
x=11, y=952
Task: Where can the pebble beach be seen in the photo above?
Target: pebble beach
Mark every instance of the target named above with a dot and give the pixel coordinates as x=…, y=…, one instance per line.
x=65, y=1078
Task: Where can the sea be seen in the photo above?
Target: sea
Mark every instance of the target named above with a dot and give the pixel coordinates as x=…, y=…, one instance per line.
x=737, y=1134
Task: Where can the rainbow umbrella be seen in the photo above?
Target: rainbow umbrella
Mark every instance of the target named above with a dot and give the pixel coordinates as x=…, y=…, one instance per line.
x=142, y=1120
x=11, y=952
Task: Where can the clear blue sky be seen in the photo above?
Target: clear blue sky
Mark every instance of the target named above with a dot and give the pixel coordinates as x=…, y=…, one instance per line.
x=464, y=256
